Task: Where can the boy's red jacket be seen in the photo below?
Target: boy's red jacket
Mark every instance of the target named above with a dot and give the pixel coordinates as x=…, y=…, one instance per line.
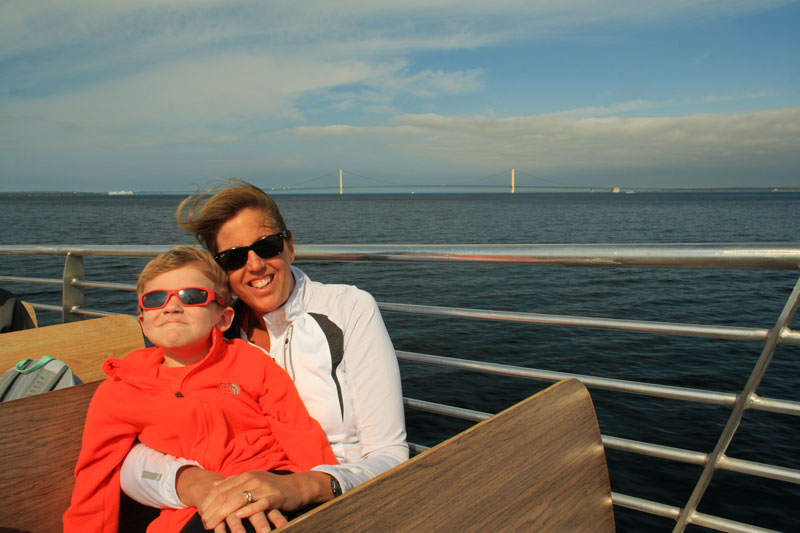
x=234, y=411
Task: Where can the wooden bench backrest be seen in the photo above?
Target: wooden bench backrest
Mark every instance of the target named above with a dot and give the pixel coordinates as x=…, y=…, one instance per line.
x=41, y=436
x=39, y=446
x=83, y=345
x=537, y=466
x=31, y=312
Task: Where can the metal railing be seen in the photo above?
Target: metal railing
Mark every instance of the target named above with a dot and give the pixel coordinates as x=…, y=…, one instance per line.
x=751, y=256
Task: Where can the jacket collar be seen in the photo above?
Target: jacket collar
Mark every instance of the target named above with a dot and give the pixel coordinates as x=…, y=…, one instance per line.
x=279, y=318
x=140, y=367
x=293, y=307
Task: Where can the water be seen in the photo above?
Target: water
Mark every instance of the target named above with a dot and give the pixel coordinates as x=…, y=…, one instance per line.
x=725, y=297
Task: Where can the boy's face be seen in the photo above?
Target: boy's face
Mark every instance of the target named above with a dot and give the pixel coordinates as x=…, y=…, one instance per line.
x=183, y=332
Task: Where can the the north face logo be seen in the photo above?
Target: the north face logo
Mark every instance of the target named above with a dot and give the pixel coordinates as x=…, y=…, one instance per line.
x=229, y=388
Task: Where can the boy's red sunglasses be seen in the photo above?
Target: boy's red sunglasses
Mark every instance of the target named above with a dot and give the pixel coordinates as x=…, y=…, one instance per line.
x=189, y=296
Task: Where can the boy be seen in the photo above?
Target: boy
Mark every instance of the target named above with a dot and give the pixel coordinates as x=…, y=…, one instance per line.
x=224, y=404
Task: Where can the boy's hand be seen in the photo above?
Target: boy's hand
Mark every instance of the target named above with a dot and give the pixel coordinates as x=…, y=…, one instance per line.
x=193, y=484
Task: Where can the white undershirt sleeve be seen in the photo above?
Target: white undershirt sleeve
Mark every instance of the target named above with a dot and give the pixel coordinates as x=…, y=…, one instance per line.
x=148, y=476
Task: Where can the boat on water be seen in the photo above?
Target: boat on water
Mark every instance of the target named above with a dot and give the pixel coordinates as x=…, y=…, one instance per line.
x=711, y=470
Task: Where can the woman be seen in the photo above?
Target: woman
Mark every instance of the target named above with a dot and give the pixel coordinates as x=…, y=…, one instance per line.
x=329, y=338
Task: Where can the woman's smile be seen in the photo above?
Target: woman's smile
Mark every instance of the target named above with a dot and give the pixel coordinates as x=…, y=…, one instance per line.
x=262, y=284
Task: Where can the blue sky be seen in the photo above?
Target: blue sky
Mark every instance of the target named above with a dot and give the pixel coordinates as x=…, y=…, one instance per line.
x=168, y=95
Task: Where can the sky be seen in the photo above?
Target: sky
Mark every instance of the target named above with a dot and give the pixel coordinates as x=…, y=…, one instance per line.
x=168, y=95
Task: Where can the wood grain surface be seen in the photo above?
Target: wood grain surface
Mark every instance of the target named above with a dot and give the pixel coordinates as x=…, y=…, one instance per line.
x=537, y=466
x=83, y=345
x=39, y=446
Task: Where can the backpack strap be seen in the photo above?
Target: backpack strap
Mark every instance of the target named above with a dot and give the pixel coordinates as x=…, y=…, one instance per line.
x=23, y=368
x=31, y=377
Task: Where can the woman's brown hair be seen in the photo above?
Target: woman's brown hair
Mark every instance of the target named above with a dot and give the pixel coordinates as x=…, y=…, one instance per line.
x=204, y=212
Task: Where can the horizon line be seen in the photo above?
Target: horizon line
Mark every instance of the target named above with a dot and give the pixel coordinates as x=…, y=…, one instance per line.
x=334, y=191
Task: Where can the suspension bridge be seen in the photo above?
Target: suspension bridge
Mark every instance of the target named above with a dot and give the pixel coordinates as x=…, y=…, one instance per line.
x=510, y=180
x=342, y=181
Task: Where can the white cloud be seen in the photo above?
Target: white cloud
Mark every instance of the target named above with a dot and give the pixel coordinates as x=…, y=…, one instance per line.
x=551, y=143
x=249, y=92
x=595, y=111
x=91, y=47
x=428, y=83
x=356, y=27
x=645, y=105
x=215, y=90
x=98, y=75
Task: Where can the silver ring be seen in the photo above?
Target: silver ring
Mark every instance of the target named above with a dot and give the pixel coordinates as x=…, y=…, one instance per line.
x=248, y=496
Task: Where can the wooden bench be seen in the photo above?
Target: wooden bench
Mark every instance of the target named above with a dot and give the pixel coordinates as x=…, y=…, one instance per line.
x=31, y=312
x=39, y=446
x=537, y=466
x=41, y=435
x=83, y=345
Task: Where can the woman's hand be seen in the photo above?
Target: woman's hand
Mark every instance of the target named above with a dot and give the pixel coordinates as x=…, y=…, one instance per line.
x=227, y=501
x=259, y=520
x=194, y=486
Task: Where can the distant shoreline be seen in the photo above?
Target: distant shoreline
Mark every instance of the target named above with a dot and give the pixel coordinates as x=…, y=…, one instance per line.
x=428, y=191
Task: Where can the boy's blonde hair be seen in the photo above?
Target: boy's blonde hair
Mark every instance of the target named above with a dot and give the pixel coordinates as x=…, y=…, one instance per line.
x=180, y=257
x=204, y=212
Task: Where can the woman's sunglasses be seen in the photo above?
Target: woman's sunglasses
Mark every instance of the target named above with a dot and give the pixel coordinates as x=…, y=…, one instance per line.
x=266, y=247
x=189, y=296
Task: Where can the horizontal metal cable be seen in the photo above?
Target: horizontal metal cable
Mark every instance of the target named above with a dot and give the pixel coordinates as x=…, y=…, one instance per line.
x=666, y=328
x=723, y=524
x=759, y=469
x=633, y=446
x=781, y=256
x=654, y=450
x=39, y=281
x=130, y=250
x=669, y=511
x=786, y=407
x=104, y=285
x=699, y=458
x=735, y=255
x=448, y=410
x=91, y=312
x=46, y=307
x=645, y=506
x=635, y=387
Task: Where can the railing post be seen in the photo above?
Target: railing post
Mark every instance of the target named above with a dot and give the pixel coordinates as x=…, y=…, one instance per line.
x=72, y=294
x=760, y=368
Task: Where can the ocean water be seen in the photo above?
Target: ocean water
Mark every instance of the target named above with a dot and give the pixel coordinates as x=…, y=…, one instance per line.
x=722, y=297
